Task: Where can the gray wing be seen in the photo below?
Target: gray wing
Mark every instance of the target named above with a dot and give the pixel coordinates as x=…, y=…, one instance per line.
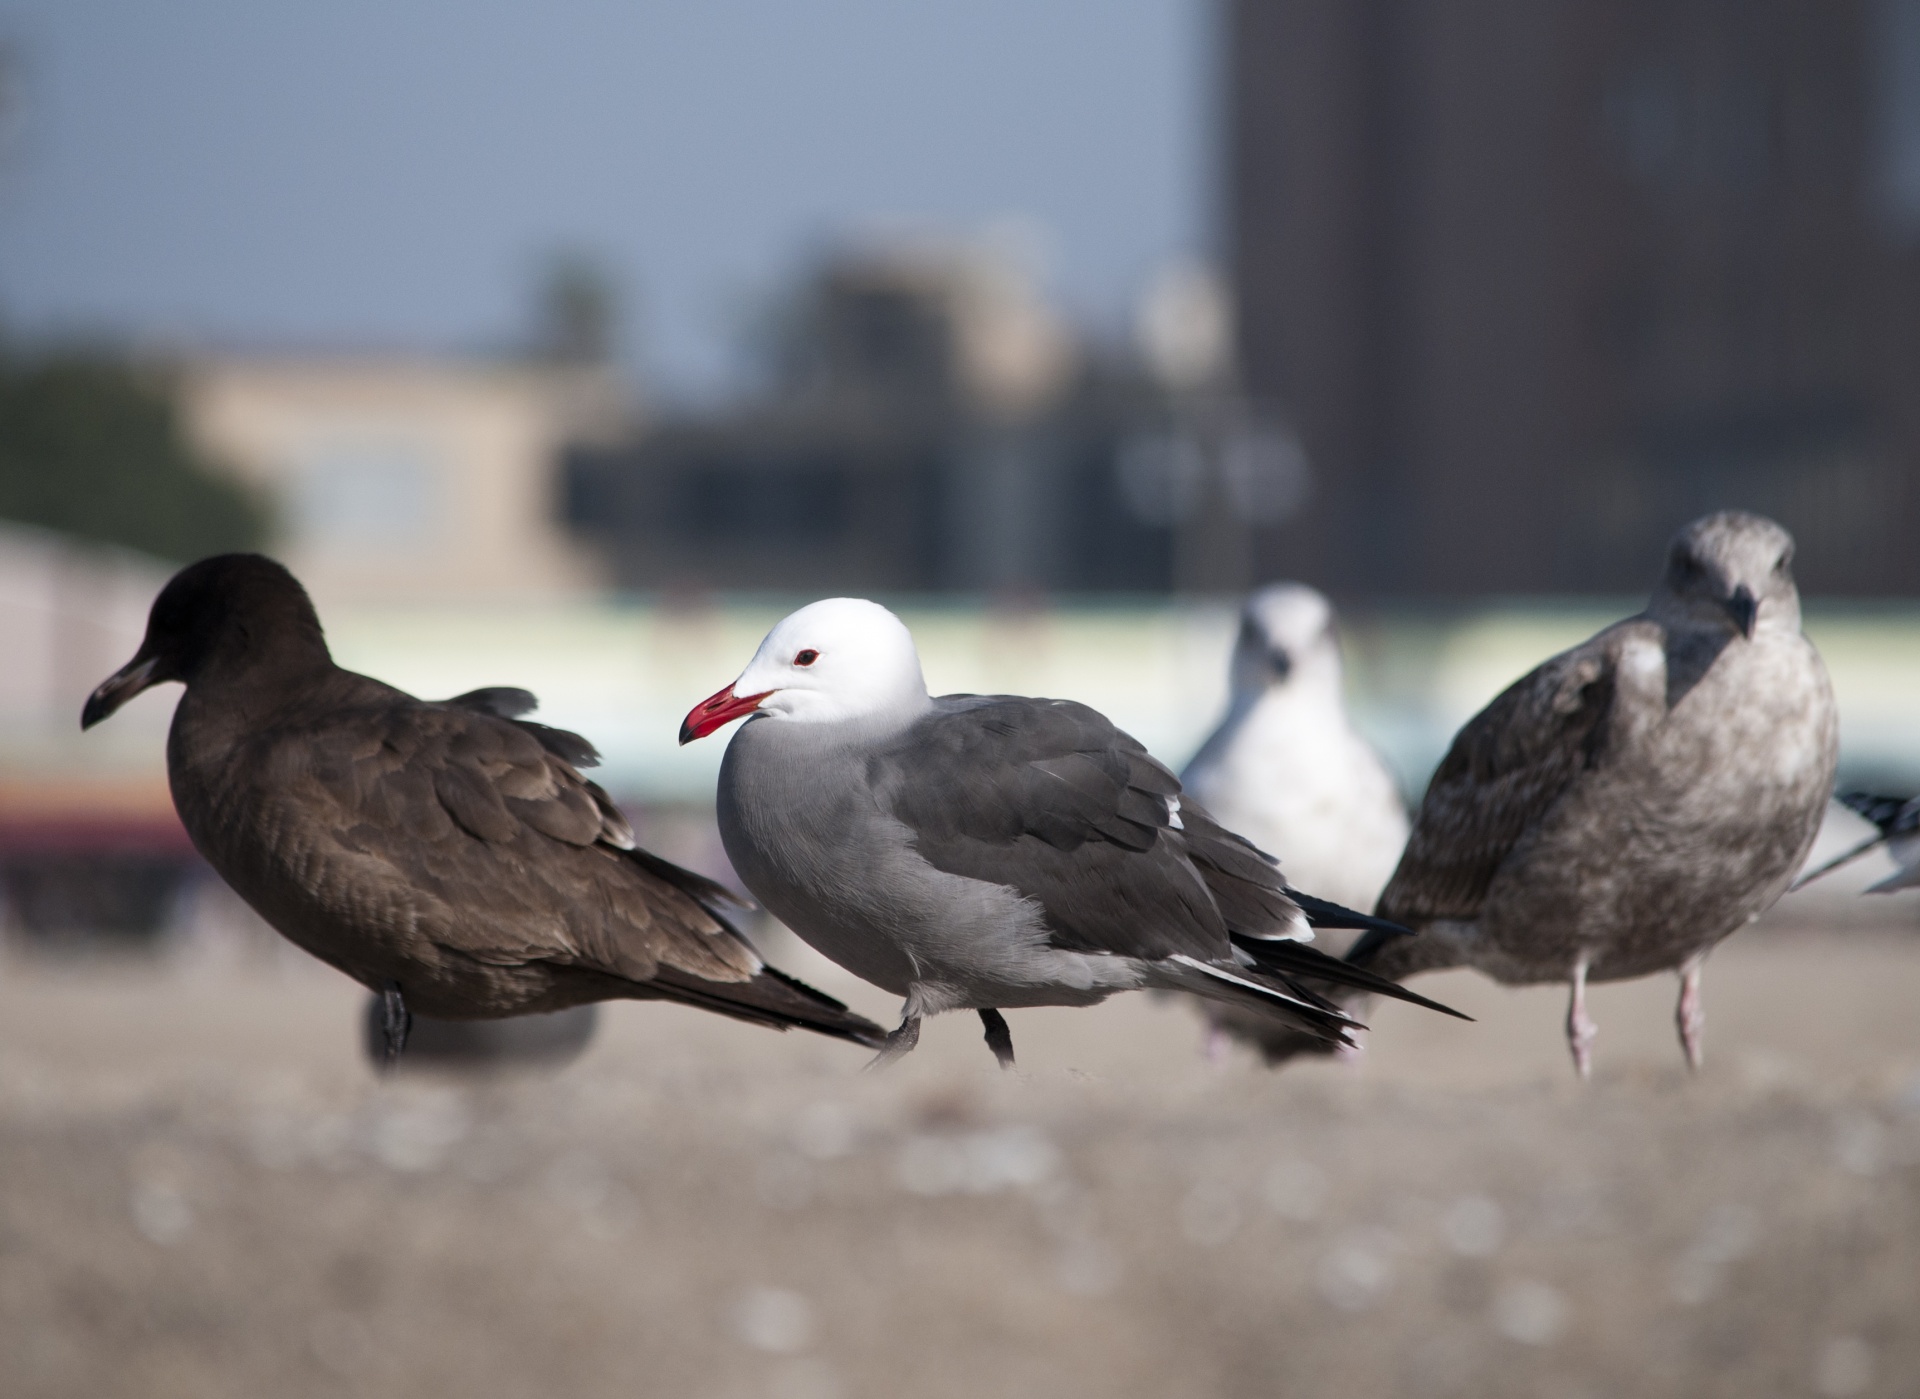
x=1049, y=798
x=1507, y=768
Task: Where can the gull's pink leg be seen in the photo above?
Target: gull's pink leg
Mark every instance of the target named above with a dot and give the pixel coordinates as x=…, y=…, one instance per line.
x=1691, y=1016
x=1581, y=1031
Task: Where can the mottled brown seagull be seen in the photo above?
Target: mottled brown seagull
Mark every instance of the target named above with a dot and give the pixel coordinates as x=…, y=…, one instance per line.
x=1623, y=808
x=448, y=856
x=978, y=852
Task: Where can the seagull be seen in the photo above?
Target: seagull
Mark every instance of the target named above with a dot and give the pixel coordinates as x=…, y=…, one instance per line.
x=1623, y=808
x=1898, y=823
x=448, y=856
x=1286, y=770
x=981, y=852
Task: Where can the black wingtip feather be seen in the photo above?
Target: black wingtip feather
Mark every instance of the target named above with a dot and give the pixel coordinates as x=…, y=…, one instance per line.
x=1323, y=913
x=1884, y=812
x=1301, y=959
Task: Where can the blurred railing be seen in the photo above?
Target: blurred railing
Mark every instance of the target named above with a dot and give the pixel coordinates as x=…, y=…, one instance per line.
x=624, y=673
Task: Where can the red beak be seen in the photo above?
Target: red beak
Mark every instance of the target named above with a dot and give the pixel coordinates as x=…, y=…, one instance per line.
x=716, y=710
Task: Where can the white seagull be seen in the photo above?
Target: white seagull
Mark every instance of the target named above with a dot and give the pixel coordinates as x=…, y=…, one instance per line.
x=981, y=852
x=1286, y=769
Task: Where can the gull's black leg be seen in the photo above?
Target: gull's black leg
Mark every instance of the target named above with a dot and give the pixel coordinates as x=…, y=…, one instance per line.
x=999, y=1037
x=396, y=1020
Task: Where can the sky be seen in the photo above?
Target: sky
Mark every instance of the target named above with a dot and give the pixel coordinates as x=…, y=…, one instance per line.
x=396, y=172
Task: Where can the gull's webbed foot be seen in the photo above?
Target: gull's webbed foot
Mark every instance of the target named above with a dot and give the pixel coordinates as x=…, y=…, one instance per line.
x=1581, y=1031
x=397, y=1023
x=899, y=1042
x=1690, y=1015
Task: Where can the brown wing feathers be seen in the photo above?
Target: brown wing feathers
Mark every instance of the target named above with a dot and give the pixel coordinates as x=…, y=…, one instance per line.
x=508, y=800
x=1508, y=765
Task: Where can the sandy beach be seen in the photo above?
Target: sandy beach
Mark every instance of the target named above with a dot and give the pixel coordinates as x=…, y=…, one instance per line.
x=207, y=1193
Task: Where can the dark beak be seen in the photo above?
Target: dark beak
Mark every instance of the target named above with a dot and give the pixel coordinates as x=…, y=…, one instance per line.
x=126, y=682
x=1744, y=608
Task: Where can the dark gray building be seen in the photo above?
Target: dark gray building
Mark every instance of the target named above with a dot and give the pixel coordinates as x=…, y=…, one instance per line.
x=921, y=430
x=1538, y=280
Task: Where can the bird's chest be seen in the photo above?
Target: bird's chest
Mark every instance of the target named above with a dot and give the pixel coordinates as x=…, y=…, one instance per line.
x=1693, y=823
x=240, y=803
x=219, y=804
x=801, y=832
x=805, y=835
x=1747, y=750
x=1314, y=797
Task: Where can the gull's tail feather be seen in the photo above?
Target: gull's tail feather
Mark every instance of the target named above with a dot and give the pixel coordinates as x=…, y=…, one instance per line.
x=771, y=998
x=1893, y=817
x=1322, y=913
x=1295, y=960
x=1276, y=999
x=1846, y=858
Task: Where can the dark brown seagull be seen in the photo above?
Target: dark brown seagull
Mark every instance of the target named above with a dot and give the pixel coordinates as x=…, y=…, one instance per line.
x=448, y=856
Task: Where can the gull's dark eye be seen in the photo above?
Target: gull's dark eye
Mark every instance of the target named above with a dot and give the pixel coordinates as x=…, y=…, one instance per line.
x=1780, y=564
x=807, y=657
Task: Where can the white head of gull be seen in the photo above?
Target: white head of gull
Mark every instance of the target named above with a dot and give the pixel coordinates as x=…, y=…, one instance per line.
x=980, y=852
x=1286, y=637
x=835, y=661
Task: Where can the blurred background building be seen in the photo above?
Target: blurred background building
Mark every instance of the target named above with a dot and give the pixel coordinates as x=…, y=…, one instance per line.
x=928, y=424
x=392, y=476
x=1539, y=281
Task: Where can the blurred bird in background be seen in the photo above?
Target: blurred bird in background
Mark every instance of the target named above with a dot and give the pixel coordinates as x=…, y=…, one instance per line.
x=1286, y=770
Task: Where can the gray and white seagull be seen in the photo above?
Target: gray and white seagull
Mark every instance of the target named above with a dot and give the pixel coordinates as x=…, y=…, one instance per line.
x=979, y=852
x=1633, y=801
